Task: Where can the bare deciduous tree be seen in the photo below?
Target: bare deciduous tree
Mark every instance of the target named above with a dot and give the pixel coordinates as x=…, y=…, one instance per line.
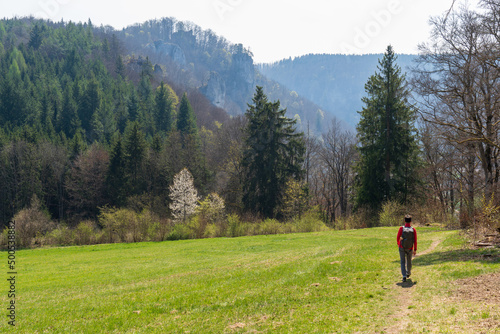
x=85, y=184
x=458, y=78
x=448, y=173
x=331, y=170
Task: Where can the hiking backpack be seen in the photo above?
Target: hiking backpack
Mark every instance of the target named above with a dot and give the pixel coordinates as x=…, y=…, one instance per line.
x=408, y=237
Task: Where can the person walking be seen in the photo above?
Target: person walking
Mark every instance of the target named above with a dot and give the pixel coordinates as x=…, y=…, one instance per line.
x=407, y=243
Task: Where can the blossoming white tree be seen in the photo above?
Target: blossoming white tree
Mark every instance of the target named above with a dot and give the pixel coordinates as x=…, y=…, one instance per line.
x=183, y=195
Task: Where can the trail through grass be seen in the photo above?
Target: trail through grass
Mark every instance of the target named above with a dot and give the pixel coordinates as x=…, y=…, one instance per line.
x=404, y=299
x=328, y=282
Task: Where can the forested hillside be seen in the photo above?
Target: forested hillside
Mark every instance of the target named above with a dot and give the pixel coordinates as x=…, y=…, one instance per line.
x=93, y=119
x=81, y=121
x=222, y=71
x=166, y=131
x=334, y=82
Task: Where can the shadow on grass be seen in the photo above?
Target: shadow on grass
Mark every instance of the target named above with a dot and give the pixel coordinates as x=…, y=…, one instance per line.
x=462, y=255
x=408, y=284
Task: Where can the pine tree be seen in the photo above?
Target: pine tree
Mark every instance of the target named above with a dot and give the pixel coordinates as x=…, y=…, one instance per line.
x=120, y=67
x=103, y=123
x=164, y=109
x=77, y=145
x=105, y=48
x=68, y=120
x=36, y=35
x=157, y=173
x=274, y=153
x=47, y=112
x=72, y=63
x=387, y=137
x=12, y=98
x=146, y=98
x=133, y=105
x=186, y=122
x=115, y=178
x=192, y=155
x=121, y=106
x=90, y=104
x=156, y=145
x=183, y=195
x=2, y=31
x=134, y=156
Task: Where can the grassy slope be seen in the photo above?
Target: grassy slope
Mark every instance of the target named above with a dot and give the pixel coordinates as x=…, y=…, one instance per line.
x=302, y=283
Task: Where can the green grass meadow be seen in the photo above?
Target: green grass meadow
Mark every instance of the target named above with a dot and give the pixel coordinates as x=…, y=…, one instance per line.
x=327, y=282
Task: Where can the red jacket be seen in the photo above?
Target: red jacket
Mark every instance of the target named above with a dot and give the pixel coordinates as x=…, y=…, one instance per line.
x=400, y=232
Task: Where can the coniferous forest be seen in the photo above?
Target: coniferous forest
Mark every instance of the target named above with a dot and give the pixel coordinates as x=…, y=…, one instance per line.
x=93, y=137
x=165, y=131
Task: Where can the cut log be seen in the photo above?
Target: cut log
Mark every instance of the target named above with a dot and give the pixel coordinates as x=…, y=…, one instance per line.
x=483, y=244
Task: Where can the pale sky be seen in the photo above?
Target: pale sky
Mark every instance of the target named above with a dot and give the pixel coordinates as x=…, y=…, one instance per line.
x=271, y=29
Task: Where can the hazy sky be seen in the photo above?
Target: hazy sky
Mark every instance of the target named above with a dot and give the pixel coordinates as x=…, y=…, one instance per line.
x=271, y=29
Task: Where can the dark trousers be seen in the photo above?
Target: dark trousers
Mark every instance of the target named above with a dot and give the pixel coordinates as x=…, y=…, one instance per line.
x=405, y=257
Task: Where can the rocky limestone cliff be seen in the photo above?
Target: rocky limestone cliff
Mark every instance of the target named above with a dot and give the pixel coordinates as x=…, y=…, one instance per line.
x=215, y=89
x=242, y=66
x=173, y=51
x=240, y=81
x=233, y=88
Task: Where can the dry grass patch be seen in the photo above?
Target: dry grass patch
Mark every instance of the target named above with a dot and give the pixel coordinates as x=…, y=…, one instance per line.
x=482, y=289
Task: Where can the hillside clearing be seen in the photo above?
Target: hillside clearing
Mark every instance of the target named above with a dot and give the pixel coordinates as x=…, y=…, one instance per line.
x=342, y=282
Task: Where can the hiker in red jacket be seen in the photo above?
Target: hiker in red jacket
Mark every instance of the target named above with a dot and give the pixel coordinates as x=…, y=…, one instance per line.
x=407, y=243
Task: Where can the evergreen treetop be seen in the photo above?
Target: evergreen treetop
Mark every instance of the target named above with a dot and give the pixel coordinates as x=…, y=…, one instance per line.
x=186, y=121
x=274, y=153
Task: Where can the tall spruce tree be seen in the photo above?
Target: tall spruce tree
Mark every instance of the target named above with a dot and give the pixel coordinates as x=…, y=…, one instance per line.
x=36, y=35
x=12, y=97
x=146, y=98
x=274, y=154
x=115, y=178
x=387, y=138
x=133, y=105
x=164, y=108
x=90, y=102
x=186, y=122
x=68, y=120
x=134, y=155
x=192, y=154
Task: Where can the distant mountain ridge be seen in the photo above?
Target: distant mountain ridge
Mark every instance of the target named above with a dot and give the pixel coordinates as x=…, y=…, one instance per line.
x=334, y=82
x=223, y=72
